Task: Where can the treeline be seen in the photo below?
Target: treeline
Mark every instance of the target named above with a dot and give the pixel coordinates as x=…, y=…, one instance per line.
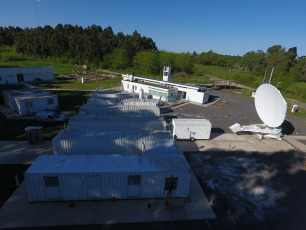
x=286, y=63
x=75, y=44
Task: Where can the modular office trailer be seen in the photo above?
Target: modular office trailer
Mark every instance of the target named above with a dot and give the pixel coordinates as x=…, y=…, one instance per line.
x=191, y=129
x=120, y=110
x=10, y=95
x=95, y=177
x=33, y=104
x=21, y=74
x=117, y=123
x=113, y=142
x=131, y=101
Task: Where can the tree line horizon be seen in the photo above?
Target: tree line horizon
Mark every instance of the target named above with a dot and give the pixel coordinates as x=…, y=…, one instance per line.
x=103, y=48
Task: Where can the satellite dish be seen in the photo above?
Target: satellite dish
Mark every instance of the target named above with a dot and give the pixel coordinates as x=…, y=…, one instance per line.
x=270, y=105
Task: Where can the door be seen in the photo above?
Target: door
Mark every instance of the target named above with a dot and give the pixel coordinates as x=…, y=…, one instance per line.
x=94, y=190
x=20, y=77
x=52, y=188
x=134, y=185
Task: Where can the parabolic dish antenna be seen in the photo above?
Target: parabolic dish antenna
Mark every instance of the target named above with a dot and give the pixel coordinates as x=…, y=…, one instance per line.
x=270, y=105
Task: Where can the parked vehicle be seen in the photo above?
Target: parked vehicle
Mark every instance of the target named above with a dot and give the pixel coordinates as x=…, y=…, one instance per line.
x=49, y=116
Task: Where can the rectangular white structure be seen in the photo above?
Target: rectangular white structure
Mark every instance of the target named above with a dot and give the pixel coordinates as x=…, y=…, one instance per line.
x=191, y=129
x=165, y=90
x=131, y=101
x=10, y=95
x=119, y=110
x=33, y=104
x=21, y=74
x=90, y=122
x=81, y=177
x=113, y=142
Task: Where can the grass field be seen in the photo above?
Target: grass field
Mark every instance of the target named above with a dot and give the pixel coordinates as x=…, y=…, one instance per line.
x=65, y=83
x=296, y=90
x=71, y=100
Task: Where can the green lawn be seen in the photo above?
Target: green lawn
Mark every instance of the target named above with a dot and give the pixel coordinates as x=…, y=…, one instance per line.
x=296, y=90
x=71, y=100
x=59, y=68
x=65, y=83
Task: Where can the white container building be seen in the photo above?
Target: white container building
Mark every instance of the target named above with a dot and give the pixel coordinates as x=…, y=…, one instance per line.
x=96, y=177
x=165, y=90
x=131, y=101
x=32, y=104
x=89, y=122
x=120, y=110
x=191, y=129
x=10, y=95
x=21, y=74
x=113, y=142
x=113, y=95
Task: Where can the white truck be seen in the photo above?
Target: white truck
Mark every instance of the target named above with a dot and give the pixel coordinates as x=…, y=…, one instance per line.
x=190, y=129
x=49, y=116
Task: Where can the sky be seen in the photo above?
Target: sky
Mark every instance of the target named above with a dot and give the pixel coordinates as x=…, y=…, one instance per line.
x=230, y=27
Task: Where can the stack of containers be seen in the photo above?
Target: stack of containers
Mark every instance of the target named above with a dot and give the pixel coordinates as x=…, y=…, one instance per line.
x=117, y=147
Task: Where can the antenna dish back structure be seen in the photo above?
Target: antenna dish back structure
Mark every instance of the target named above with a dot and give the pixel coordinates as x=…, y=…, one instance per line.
x=270, y=105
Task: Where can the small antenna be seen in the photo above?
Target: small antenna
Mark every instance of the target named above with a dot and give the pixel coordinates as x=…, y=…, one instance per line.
x=271, y=75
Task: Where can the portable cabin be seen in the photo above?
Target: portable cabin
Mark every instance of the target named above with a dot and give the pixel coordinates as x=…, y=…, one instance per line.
x=130, y=101
x=24, y=74
x=33, y=104
x=119, y=110
x=10, y=95
x=113, y=142
x=190, y=129
x=96, y=177
x=117, y=123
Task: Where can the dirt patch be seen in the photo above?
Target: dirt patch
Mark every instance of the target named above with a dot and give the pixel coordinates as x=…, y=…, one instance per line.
x=180, y=74
x=91, y=76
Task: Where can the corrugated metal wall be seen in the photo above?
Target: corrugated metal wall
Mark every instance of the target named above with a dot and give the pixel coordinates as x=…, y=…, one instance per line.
x=74, y=186
x=111, y=142
x=117, y=123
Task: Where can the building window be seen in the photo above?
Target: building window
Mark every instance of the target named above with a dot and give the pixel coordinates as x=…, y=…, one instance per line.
x=51, y=181
x=127, y=86
x=28, y=104
x=10, y=75
x=0, y=78
x=134, y=180
x=171, y=183
x=50, y=101
x=135, y=87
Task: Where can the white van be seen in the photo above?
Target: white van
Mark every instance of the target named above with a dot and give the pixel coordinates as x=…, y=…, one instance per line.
x=49, y=116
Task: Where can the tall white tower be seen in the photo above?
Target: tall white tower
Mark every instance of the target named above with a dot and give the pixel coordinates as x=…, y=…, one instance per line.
x=166, y=73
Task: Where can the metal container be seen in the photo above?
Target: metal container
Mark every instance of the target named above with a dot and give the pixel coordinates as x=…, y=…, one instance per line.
x=120, y=110
x=117, y=123
x=191, y=129
x=81, y=177
x=33, y=104
x=113, y=142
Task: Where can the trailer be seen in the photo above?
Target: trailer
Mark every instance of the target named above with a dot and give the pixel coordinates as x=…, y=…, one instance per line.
x=190, y=129
x=97, y=177
x=33, y=104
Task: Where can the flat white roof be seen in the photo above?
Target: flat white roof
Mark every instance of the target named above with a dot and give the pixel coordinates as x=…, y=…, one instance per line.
x=111, y=163
x=186, y=121
x=169, y=83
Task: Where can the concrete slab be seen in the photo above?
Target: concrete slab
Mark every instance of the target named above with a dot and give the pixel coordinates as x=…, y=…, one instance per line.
x=18, y=213
x=20, y=152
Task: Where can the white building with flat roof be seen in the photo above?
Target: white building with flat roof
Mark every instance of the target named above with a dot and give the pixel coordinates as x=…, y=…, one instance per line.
x=165, y=90
x=24, y=74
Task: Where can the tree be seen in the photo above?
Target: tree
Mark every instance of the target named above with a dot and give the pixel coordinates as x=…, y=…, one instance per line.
x=274, y=49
